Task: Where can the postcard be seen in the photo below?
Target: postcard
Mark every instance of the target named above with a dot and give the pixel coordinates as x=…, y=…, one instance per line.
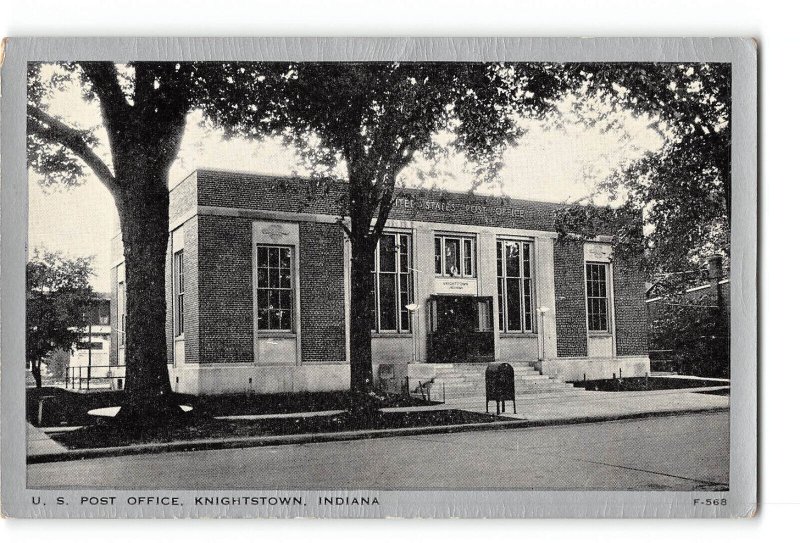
x=362, y=277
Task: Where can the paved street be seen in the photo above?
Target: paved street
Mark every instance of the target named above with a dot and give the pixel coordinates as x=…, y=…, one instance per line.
x=676, y=452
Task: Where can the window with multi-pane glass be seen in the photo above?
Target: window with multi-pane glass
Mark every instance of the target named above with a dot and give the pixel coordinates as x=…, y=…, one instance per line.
x=515, y=288
x=275, y=292
x=597, y=296
x=177, y=272
x=391, y=287
x=454, y=256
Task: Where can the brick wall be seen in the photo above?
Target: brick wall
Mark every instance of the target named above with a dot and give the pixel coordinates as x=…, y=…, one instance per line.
x=630, y=311
x=301, y=195
x=570, y=303
x=191, y=298
x=322, y=292
x=225, y=284
x=219, y=322
x=183, y=197
x=168, y=286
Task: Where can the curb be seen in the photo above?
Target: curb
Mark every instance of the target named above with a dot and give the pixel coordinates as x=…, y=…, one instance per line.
x=297, y=439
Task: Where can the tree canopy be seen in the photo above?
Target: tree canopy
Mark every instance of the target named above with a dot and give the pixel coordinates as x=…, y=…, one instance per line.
x=683, y=190
x=143, y=107
x=382, y=113
x=374, y=117
x=57, y=296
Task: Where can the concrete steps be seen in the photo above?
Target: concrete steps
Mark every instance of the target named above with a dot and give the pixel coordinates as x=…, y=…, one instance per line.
x=468, y=380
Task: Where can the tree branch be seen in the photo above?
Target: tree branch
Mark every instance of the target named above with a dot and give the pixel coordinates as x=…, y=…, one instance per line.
x=103, y=78
x=347, y=231
x=51, y=130
x=385, y=205
x=114, y=107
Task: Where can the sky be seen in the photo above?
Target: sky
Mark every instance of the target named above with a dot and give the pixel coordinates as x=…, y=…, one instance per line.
x=547, y=164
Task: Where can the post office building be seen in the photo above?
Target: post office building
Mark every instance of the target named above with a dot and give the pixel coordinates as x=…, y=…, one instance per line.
x=258, y=290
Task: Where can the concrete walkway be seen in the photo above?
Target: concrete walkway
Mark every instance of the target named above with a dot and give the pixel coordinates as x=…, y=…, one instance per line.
x=302, y=415
x=719, y=380
x=606, y=405
x=567, y=408
x=40, y=443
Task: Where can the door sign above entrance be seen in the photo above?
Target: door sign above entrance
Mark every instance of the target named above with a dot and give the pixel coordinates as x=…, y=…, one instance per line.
x=454, y=285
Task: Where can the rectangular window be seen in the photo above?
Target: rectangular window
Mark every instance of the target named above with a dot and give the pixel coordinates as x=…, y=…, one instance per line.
x=467, y=243
x=105, y=312
x=597, y=296
x=275, y=301
x=515, y=287
x=392, y=288
x=454, y=256
x=437, y=249
x=177, y=274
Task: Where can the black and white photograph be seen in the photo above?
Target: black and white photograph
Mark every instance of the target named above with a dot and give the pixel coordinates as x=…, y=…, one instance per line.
x=301, y=287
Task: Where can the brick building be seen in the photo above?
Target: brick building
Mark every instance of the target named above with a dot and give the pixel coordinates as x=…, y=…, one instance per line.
x=258, y=289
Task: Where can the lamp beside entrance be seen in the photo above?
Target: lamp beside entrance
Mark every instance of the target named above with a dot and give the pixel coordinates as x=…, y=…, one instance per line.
x=412, y=308
x=541, y=311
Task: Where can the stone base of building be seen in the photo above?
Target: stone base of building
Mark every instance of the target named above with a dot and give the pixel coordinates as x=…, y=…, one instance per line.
x=575, y=369
x=421, y=373
x=228, y=378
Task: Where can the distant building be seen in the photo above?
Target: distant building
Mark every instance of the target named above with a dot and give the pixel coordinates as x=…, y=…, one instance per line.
x=258, y=290
x=716, y=291
x=89, y=362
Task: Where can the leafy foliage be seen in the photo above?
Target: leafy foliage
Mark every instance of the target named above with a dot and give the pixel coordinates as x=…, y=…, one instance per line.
x=694, y=335
x=682, y=190
x=58, y=294
x=622, y=225
x=375, y=116
x=143, y=106
x=57, y=164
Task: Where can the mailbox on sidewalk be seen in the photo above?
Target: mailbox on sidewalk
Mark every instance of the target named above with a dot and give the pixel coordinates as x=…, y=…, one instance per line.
x=500, y=386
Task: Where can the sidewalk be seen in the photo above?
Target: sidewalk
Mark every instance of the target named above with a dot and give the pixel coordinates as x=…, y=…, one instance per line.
x=40, y=443
x=532, y=410
x=591, y=405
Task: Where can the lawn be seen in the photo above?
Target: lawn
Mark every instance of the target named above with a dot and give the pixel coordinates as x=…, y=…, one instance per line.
x=68, y=408
x=106, y=434
x=631, y=384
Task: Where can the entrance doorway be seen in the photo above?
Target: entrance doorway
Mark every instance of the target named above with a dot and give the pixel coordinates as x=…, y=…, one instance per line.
x=460, y=329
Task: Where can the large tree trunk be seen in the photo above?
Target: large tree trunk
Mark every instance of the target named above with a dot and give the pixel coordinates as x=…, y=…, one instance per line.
x=36, y=371
x=144, y=221
x=360, y=319
x=366, y=205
